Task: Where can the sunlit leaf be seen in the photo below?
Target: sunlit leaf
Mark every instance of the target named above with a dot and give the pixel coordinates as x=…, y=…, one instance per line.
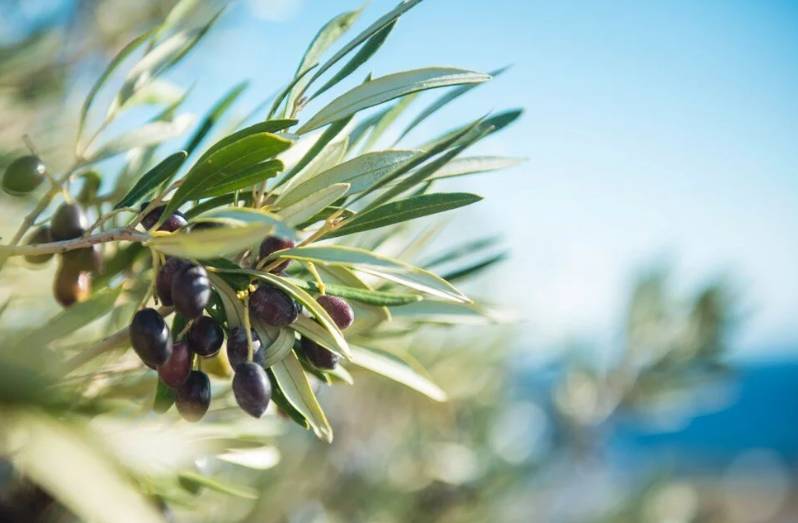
x=475, y=164
x=367, y=296
x=243, y=180
x=213, y=116
x=295, y=387
x=210, y=243
x=146, y=135
x=310, y=206
x=392, y=367
x=152, y=179
x=194, y=479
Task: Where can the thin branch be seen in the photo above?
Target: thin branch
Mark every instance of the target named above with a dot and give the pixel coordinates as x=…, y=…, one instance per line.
x=114, y=235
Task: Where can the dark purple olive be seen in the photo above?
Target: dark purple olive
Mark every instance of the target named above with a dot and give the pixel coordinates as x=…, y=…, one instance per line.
x=272, y=244
x=174, y=222
x=237, y=347
x=23, y=175
x=175, y=370
x=193, y=397
x=85, y=259
x=191, y=291
x=252, y=389
x=71, y=286
x=39, y=235
x=338, y=309
x=273, y=306
x=205, y=336
x=163, y=282
x=318, y=355
x=150, y=337
x=68, y=222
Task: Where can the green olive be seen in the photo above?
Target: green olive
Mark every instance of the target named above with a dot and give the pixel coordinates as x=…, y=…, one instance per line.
x=23, y=175
x=39, y=235
x=69, y=221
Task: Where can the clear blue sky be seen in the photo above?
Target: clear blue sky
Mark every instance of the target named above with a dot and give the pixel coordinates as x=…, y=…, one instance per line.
x=656, y=132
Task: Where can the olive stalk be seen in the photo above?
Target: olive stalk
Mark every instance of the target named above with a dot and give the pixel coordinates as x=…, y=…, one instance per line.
x=113, y=235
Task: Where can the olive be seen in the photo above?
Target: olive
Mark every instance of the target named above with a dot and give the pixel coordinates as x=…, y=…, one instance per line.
x=70, y=285
x=39, y=235
x=176, y=221
x=191, y=290
x=23, y=175
x=205, y=336
x=272, y=244
x=85, y=259
x=237, y=347
x=150, y=337
x=193, y=397
x=91, y=185
x=273, y=306
x=339, y=310
x=163, y=282
x=69, y=221
x=175, y=370
x=317, y=355
x=252, y=389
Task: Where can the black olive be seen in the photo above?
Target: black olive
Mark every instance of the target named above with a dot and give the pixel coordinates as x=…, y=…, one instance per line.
x=23, y=175
x=69, y=221
x=339, y=310
x=272, y=244
x=174, y=222
x=318, y=355
x=194, y=396
x=163, y=282
x=251, y=388
x=175, y=370
x=150, y=337
x=39, y=235
x=237, y=347
x=191, y=291
x=205, y=336
x=85, y=259
x=273, y=306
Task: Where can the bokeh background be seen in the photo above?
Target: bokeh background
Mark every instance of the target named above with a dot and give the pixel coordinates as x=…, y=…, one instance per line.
x=650, y=370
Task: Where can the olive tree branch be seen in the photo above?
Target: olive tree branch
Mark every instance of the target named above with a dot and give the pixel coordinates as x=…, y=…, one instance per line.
x=114, y=235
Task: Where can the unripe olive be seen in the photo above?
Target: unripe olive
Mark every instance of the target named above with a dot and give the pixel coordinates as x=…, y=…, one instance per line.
x=318, y=355
x=91, y=185
x=252, y=389
x=39, y=235
x=150, y=337
x=191, y=291
x=69, y=221
x=272, y=244
x=88, y=259
x=23, y=175
x=205, y=336
x=194, y=396
x=273, y=306
x=237, y=347
x=70, y=285
x=175, y=370
x=339, y=310
x=163, y=282
x=174, y=222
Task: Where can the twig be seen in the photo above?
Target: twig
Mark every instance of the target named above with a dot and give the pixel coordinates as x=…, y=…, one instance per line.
x=114, y=235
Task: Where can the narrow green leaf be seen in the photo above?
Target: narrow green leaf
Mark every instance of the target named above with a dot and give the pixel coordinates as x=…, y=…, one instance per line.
x=387, y=88
x=279, y=348
x=224, y=163
x=194, y=479
x=69, y=320
x=310, y=206
x=326, y=37
x=110, y=68
x=403, y=210
x=295, y=387
x=476, y=267
x=214, y=115
x=146, y=135
x=245, y=179
x=392, y=367
x=242, y=216
x=152, y=179
x=360, y=172
x=210, y=243
x=444, y=100
x=326, y=137
x=311, y=329
x=285, y=406
x=367, y=33
x=364, y=53
x=487, y=126
x=388, y=119
x=475, y=164
x=378, y=265
x=461, y=250
x=269, y=126
x=367, y=296
x=329, y=157
x=433, y=311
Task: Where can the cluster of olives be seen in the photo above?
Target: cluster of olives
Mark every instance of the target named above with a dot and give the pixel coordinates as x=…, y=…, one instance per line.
x=185, y=285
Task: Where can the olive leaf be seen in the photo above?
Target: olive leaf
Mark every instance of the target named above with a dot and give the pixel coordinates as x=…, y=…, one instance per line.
x=152, y=179
x=294, y=386
x=392, y=367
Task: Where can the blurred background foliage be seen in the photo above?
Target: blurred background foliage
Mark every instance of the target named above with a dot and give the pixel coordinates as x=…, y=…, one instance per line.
x=512, y=443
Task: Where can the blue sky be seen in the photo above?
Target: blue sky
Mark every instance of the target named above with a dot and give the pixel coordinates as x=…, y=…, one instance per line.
x=657, y=133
